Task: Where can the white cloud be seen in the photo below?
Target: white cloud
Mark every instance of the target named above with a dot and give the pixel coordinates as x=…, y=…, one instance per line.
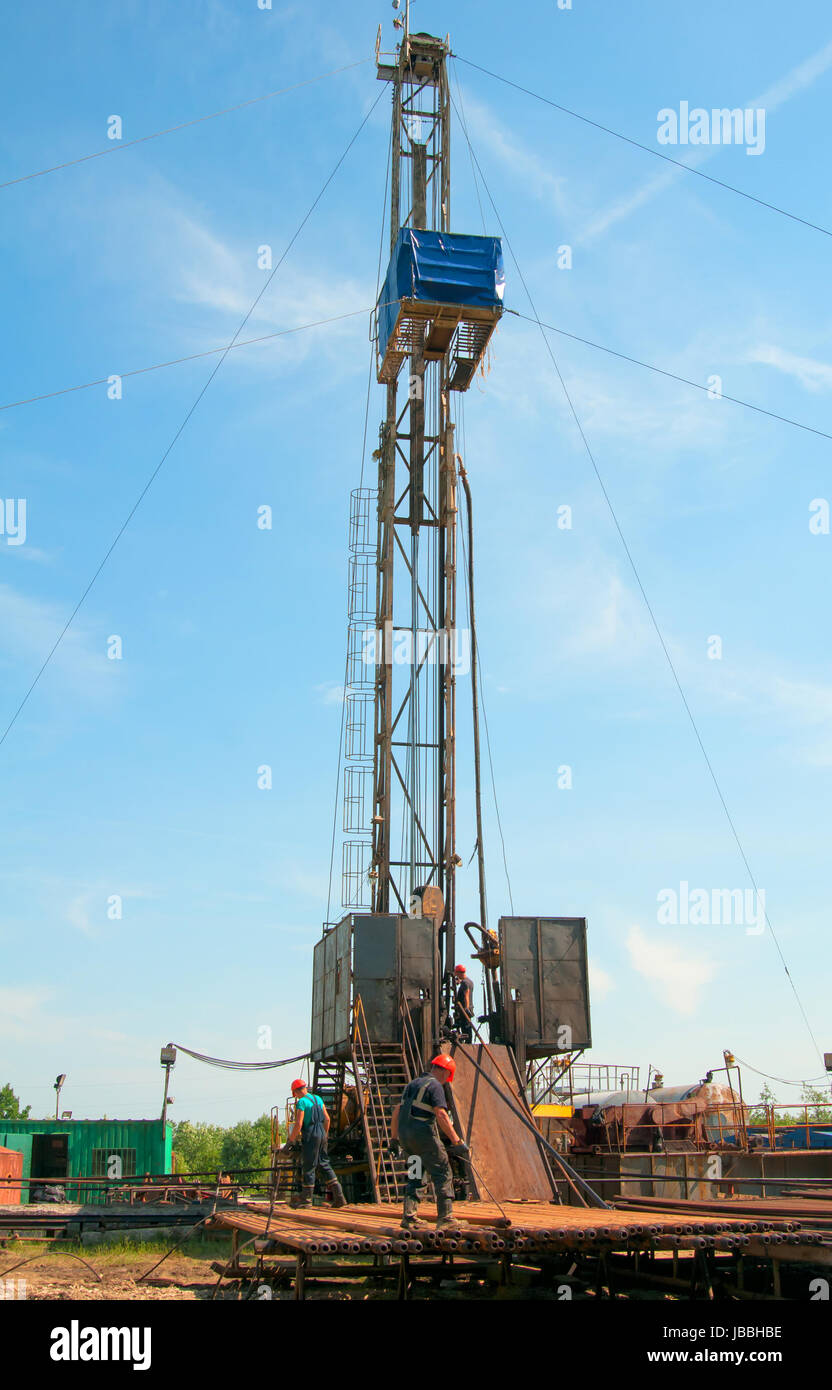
x=87, y=911
x=795, y=704
x=582, y=611
x=223, y=279
x=612, y=403
x=19, y=1007
x=600, y=982
x=612, y=618
x=677, y=978
x=621, y=209
x=330, y=692
x=487, y=133
x=196, y=277
x=809, y=701
x=798, y=79
x=814, y=375
x=27, y=552
x=30, y=629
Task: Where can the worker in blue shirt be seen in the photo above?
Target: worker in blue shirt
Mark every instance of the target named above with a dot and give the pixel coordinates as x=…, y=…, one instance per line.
x=311, y=1126
x=423, y=1107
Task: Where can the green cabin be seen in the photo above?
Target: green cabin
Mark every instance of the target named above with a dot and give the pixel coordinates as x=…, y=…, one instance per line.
x=56, y=1151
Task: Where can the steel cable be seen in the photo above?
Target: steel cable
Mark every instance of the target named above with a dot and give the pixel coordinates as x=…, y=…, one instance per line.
x=181, y=429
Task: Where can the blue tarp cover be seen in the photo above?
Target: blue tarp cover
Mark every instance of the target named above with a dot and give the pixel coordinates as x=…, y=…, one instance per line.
x=440, y=268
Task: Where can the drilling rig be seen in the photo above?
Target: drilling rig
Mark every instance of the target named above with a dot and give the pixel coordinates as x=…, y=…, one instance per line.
x=383, y=975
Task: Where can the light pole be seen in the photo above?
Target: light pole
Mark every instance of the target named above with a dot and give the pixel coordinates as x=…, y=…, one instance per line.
x=59, y=1081
x=167, y=1058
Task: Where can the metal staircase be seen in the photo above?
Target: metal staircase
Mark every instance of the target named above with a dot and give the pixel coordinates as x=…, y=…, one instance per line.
x=328, y=1082
x=382, y=1070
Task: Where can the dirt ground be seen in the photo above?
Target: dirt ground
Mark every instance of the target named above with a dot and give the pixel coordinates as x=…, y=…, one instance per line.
x=40, y=1271
x=52, y=1273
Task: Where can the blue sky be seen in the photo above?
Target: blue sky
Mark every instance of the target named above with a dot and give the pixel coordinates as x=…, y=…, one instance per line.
x=138, y=777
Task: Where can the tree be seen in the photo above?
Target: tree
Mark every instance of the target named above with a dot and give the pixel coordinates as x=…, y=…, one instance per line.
x=758, y=1114
x=198, y=1147
x=820, y=1110
x=10, y=1105
x=780, y=1117
x=248, y=1145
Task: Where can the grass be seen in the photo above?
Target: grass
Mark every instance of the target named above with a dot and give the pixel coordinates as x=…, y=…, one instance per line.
x=120, y=1252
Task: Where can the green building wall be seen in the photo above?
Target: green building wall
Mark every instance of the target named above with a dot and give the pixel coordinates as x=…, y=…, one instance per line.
x=145, y=1143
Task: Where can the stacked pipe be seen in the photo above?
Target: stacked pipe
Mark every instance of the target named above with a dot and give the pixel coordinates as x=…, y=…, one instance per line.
x=298, y=1237
x=535, y=1228
x=795, y=1211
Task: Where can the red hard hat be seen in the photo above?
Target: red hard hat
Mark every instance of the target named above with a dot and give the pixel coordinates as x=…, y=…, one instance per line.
x=298, y=1085
x=459, y=969
x=446, y=1063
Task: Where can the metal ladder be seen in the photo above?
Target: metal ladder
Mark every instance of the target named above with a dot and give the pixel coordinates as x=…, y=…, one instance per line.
x=328, y=1082
x=381, y=1074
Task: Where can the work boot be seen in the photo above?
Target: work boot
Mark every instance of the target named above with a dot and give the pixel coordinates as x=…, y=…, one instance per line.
x=409, y=1218
x=444, y=1213
x=305, y=1199
x=336, y=1192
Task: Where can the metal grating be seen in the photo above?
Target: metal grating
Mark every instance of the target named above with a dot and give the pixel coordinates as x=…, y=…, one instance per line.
x=472, y=330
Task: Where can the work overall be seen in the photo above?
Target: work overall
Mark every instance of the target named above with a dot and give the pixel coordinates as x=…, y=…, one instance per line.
x=419, y=1137
x=313, y=1147
x=464, y=1009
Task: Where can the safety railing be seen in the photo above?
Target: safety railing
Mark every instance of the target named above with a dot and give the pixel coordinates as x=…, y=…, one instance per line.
x=562, y=1079
x=782, y=1119
x=726, y=1125
x=412, y=1051
x=376, y=1129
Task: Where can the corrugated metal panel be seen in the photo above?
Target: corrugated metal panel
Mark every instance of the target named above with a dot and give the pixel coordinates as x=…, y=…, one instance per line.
x=544, y=961
x=318, y=978
x=377, y=973
x=331, y=992
x=379, y=957
x=420, y=968
x=151, y=1146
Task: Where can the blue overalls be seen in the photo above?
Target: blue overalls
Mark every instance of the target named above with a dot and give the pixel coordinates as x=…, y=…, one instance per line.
x=313, y=1140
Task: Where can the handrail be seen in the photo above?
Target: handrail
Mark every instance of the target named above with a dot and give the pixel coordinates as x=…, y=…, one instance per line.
x=413, y=1055
x=791, y=1120
x=357, y=1044
x=374, y=1108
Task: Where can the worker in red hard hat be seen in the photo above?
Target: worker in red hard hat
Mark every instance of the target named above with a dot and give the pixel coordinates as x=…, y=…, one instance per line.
x=464, y=1002
x=423, y=1107
x=311, y=1126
